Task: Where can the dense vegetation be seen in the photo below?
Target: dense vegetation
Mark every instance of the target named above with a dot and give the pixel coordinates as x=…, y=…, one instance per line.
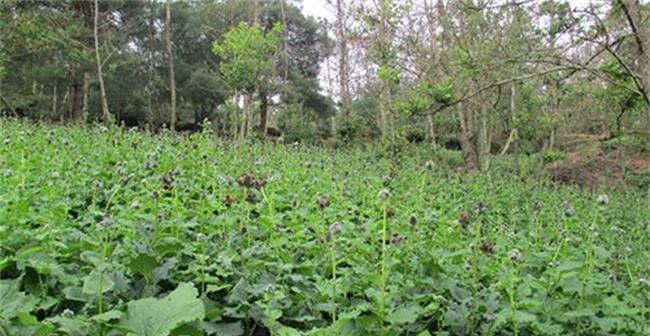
x=485, y=76
x=397, y=167
x=108, y=231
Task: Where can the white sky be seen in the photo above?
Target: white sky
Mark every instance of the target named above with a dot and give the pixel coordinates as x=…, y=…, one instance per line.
x=320, y=8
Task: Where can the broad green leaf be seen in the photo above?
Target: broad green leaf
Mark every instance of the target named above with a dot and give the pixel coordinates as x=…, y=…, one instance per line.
x=158, y=317
x=143, y=264
x=403, y=315
x=287, y=331
x=223, y=329
x=108, y=316
x=13, y=301
x=524, y=317
x=97, y=283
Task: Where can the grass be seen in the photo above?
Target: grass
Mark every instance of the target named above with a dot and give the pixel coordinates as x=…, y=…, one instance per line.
x=98, y=225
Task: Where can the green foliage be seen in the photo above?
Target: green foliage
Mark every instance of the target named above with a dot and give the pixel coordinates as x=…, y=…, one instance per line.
x=2, y=64
x=298, y=124
x=388, y=74
x=102, y=229
x=426, y=97
x=553, y=155
x=629, y=144
x=159, y=317
x=246, y=54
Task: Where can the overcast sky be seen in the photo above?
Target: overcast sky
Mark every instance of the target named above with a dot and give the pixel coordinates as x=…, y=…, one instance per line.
x=319, y=8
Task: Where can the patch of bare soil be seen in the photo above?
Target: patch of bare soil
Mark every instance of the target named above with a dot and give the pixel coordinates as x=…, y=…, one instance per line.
x=589, y=165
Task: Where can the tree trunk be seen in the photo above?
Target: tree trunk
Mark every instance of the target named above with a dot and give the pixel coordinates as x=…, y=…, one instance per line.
x=482, y=138
x=383, y=105
x=467, y=140
x=100, y=75
x=432, y=130
x=150, y=87
x=343, y=57
x=9, y=106
x=172, y=75
x=55, y=98
x=73, y=96
x=85, y=90
x=513, y=114
x=264, y=112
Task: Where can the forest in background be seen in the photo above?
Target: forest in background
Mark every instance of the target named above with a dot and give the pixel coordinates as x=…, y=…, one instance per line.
x=482, y=76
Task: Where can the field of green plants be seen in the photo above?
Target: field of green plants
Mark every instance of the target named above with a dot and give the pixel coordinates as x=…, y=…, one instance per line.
x=116, y=232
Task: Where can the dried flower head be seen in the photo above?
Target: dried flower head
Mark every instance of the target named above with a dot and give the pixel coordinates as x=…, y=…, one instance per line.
x=568, y=209
x=413, y=219
x=612, y=278
x=429, y=164
x=464, y=219
x=228, y=201
x=487, y=247
x=323, y=202
x=56, y=175
x=250, y=181
x=120, y=170
x=251, y=198
x=397, y=239
x=333, y=230
x=480, y=208
x=515, y=255
x=168, y=181
x=384, y=193
x=602, y=199
x=150, y=165
x=7, y=141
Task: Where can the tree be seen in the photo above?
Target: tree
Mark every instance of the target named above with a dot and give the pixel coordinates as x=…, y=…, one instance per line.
x=100, y=74
x=343, y=66
x=172, y=74
x=246, y=61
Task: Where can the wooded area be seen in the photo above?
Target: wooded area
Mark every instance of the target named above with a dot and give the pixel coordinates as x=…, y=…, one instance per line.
x=394, y=168
x=486, y=76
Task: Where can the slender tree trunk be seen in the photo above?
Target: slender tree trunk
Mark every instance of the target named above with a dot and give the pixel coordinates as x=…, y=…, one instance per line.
x=467, y=139
x=74, y=96
x=383, y=107
x=9, y=106
x=172, y=74
x=432, y=130
x=264, y=112
x=55, y=97
x=482, y=138
x=85, y=90
x=341, y=36
x=256, y=12
x=513, y=115
x=100, y=75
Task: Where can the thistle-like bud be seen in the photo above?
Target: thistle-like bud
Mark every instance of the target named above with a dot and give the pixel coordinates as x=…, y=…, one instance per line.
x=384, y=193
x=106, y=222
x=515, y=255
x=333, y=230
x=602, y=199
